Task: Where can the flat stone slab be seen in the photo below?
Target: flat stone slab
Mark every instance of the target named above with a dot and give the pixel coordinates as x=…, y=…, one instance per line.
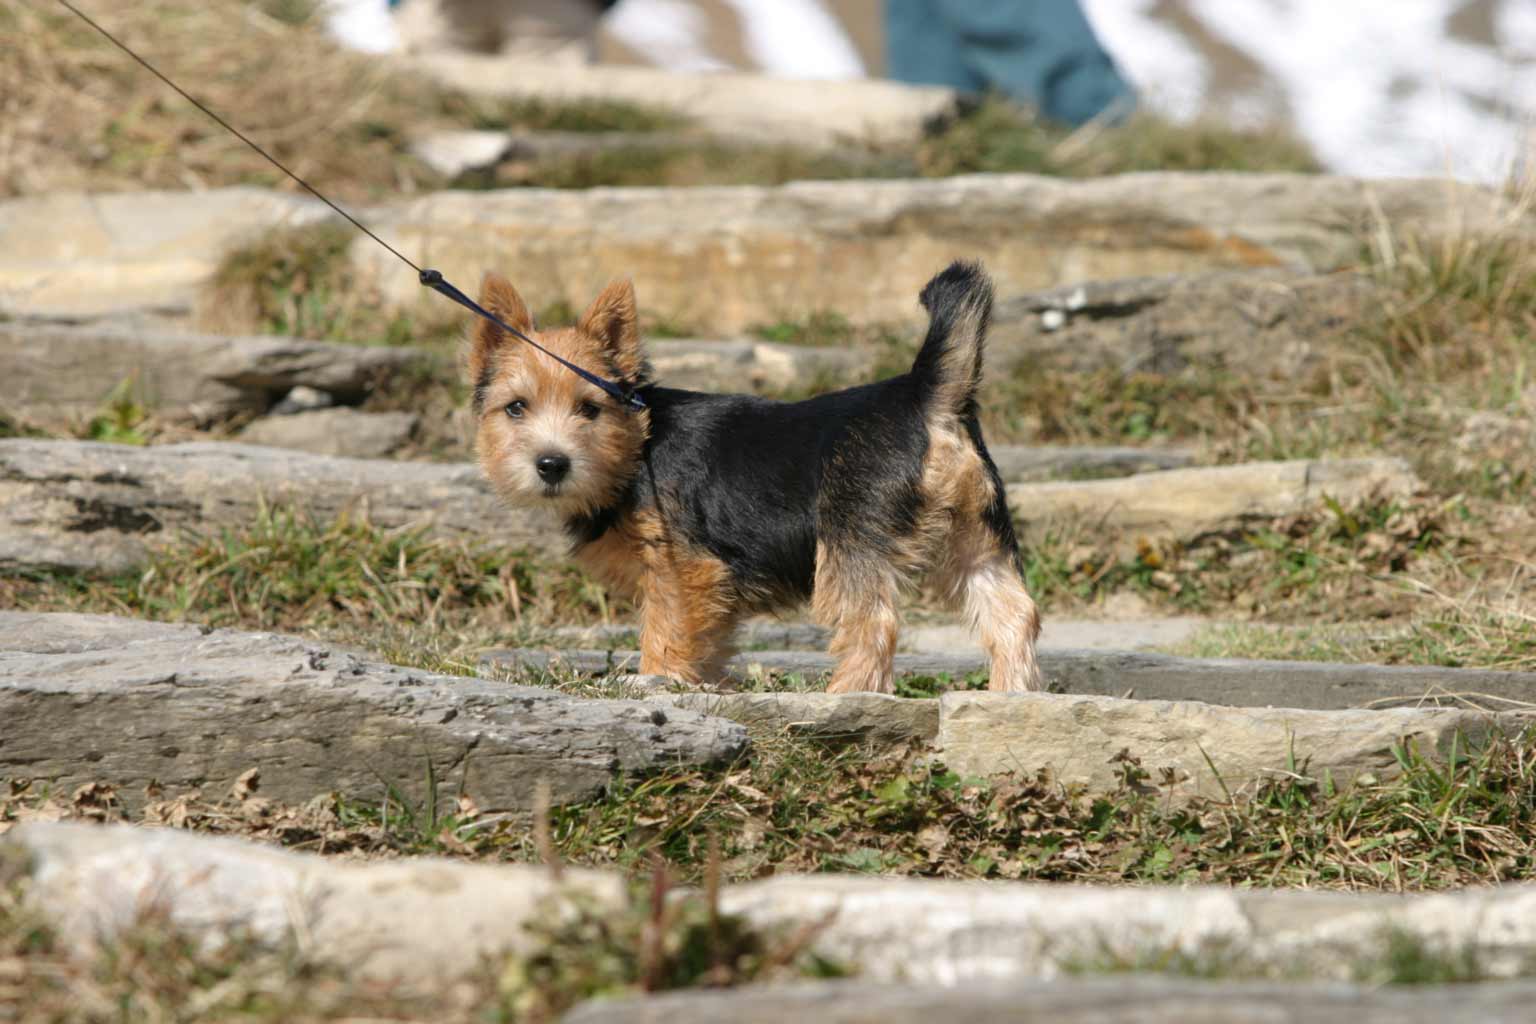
x=1144, y=675
x=1121, y=999
x=428, y=922
x=874, y=718
x=54, y=369
x=960, y=933
x=1191, y=503
x=1192, y=749
x=71, y=255
x=1020, y=463
x=93, y=882
x=724, y=259
x=87, y=506
x=344, y=431
x=89, y=698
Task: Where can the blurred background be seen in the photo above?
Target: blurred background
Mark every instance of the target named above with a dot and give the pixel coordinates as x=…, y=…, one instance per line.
x=1374, y=87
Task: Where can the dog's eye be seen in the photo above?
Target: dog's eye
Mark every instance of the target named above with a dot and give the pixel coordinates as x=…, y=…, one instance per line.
x=589, y=410
x=516, y=407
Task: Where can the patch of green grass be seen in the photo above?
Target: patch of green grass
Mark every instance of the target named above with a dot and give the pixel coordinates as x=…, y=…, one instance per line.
x=799, y=806
x=419, y=600
x=998, y=136
x=531, y=114
x=122, y=420
x=825, y=328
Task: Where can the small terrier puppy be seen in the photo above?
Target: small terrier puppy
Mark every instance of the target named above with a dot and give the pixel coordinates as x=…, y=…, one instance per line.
x=709, y=507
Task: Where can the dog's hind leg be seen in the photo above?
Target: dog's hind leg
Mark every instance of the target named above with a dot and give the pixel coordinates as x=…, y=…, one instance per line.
x=979, y=572
x=857, y=595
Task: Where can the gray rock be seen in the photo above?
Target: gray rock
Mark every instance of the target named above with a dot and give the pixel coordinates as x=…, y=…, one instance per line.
x=52, y=370
x=90, y=698
x=343, y=431
x=1020, y=463
x=1229, y=682
x=1188, y=504
x=1210, y=750
x=1114, y=1000
x=873, y=718
x=422, y=922
x=959, y=934
x=99, y=507
x=429, y=922
x=1255, y=323
x=453, y=153
x=73, y=255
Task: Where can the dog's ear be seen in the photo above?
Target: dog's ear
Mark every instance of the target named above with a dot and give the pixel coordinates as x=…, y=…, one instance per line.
x=614, y=323
x=498, y=296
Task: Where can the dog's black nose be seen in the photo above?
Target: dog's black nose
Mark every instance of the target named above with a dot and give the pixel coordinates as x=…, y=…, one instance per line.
x=552, y=467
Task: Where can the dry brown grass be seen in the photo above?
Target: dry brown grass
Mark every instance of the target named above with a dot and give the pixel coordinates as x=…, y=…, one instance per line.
x=76, y=113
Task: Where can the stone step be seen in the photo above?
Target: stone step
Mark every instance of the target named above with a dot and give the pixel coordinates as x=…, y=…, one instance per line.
x=86, y=506
x=1228, y=682
x=1188, y=504
x=54, y=370
x=729, y=258
x=1190, y=749
x=427, y=922
x=90, y=506
x=952, y=639
x=1123, y=999
x=96, y=698
x=762, y=108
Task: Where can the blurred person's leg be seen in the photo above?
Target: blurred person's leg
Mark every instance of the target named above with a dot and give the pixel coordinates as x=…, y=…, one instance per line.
x=561, y=30
x=921, y=48
x=1040, y=52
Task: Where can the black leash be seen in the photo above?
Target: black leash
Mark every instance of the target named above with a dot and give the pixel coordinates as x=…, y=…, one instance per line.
x=428, y=277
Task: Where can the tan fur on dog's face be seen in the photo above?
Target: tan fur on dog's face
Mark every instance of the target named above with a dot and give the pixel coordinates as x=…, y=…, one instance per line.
x=530, y=408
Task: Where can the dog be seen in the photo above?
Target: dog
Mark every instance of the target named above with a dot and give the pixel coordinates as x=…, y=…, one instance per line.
x=708, y=507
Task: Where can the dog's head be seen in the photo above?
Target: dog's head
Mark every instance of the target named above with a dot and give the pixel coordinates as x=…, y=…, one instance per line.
x=544, y=435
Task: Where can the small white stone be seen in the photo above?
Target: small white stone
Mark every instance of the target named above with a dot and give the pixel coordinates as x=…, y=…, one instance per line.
x=1053, y=319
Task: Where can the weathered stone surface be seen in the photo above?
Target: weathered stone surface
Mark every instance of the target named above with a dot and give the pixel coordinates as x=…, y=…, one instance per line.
x=74, y=255
x=1076, y=736
x=93, y=882
x=726, y=258
x=747, y=365
x=52, y=369
x=1019, y=463
x=948, y=933
x=760, y=107
x=1257, y=323
x=1114, y=1000
x=1228, y=682
x=88, y=506
x=829, y=717
x=1191, y=503
x=94, y=698
x=452, y=153
x=429, y=921
x=342, y=431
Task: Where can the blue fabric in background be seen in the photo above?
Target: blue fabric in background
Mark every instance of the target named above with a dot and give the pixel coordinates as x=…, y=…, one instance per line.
x=1042, y=53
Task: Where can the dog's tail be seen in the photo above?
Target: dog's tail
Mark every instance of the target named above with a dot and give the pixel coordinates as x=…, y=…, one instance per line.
x=948, y=367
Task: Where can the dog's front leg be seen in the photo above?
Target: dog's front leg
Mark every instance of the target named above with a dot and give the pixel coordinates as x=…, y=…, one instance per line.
x=687, y=616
